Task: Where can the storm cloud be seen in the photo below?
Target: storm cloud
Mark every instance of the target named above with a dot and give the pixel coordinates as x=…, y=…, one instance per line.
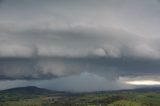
x=51, y=40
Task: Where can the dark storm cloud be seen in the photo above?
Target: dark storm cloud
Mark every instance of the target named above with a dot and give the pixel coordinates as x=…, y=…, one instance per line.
x=102, y=73
x=117, y=40
x=29, y=69
x=53, y=67
x=1, y=1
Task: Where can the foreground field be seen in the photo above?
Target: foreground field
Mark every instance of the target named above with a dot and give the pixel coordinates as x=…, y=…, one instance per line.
x=23, y=97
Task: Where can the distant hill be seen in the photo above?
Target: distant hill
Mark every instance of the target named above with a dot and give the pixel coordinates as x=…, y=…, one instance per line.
x=31, y=90
x=147, y=89
x=141, y=89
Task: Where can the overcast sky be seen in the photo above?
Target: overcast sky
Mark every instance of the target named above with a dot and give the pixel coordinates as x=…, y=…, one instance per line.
x=79, y=45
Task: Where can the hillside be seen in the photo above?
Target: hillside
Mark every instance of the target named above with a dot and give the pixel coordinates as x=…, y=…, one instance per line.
x=29, y=90
x=34, y=96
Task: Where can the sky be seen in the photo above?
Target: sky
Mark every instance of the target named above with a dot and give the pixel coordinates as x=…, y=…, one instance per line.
x=79, y=45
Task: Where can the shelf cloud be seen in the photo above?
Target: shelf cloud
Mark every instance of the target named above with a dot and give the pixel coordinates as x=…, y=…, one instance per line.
x=50, y=40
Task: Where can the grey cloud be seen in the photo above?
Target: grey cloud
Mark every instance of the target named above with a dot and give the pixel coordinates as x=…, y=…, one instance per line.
x=33, y=68
x=114, y=42
x=47, y=68
x=45, y=32
x=72, y=71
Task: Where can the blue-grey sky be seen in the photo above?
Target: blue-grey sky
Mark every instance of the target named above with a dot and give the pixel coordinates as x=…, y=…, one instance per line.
x=79, y=45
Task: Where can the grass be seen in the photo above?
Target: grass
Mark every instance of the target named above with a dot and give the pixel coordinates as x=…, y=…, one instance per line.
x=125, y=103
x=86, y=99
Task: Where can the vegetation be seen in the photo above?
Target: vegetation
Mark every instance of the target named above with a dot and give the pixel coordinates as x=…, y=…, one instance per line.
x=33, y=96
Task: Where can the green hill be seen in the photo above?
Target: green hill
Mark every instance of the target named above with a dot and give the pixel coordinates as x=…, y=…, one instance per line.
x=30, y=90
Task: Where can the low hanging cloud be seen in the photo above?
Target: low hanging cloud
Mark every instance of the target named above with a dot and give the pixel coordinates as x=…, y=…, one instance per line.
x=110, y=53
x=48, y=68
x=73, y=50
